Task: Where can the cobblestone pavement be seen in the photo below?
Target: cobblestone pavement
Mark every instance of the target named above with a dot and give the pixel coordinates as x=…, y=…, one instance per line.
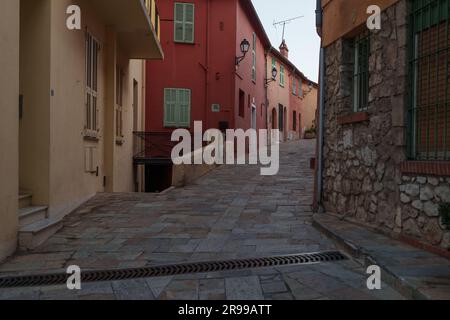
x=233, y=212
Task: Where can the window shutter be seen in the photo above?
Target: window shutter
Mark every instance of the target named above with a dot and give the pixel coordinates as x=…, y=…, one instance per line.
x=179, y=22
x=189, y=22
x=282, y=76
x=169, y=107
x=184, y=108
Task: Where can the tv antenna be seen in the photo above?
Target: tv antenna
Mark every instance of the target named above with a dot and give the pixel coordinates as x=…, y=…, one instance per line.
x=284, y=23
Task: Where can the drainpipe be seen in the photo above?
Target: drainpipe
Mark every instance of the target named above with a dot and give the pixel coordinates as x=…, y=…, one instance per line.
x=207, y=52
x=321, y=123
x=266, y=88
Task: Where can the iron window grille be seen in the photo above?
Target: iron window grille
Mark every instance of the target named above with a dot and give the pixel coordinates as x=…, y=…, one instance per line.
x=428, y=96
x=361, y=72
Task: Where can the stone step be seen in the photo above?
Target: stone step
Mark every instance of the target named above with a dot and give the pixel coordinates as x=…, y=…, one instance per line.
x=24, y=200
x=33, y=235
x=30, y=215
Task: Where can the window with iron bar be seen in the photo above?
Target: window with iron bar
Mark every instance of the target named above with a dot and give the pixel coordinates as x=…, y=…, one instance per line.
x=361, y=72
x=429, y=96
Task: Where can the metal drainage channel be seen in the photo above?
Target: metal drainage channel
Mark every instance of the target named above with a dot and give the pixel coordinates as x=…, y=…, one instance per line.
x=171, y=270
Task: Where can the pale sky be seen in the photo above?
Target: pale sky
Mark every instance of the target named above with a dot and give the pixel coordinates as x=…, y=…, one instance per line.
x=301, y=37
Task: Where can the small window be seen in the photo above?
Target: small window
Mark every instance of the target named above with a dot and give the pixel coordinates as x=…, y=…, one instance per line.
x=184, y=22
x=282, y=76
x=177, y=108
x=241, y=104
x=361, y=73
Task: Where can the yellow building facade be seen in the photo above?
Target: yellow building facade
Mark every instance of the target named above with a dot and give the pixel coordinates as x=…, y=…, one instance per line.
x=71, y=100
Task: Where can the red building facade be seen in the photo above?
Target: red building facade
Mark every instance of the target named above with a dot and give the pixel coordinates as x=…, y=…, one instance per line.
x=199, y=79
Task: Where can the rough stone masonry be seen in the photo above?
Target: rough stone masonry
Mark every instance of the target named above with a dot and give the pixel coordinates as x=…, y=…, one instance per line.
x=362, y=177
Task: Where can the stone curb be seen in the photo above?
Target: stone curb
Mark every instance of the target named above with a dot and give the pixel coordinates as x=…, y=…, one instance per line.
x=407, y=289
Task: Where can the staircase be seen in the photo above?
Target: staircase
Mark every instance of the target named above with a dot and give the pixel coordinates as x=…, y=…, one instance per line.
x=35, y=227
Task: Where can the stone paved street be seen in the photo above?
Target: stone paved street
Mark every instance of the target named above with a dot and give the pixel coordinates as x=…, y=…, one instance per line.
x=233, y=212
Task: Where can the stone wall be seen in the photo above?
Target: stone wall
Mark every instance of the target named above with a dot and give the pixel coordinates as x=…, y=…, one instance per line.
x=362, y=177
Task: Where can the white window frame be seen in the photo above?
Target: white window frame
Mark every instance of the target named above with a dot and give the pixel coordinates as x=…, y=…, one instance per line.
x=183, y=23
x=92, y=49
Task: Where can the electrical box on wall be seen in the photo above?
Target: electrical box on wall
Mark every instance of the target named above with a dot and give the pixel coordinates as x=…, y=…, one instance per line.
x=215, y=107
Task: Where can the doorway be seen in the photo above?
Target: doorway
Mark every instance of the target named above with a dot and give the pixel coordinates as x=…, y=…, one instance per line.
x=254, y=125
x=158, y=177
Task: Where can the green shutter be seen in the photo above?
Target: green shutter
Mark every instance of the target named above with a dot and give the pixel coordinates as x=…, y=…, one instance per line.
x=184, y=22
x=282, y=75
x=170, y=100
x=184, y=108
x=179, y=22
x=189, y=22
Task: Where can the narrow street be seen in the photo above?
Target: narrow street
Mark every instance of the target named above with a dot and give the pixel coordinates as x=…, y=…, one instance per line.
x=231, y=213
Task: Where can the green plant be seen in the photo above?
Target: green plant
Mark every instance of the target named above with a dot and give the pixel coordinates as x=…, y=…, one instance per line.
x=444, y=211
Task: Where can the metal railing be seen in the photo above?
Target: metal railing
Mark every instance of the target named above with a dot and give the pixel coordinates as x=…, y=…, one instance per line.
x=429, y=68
x=152, y=145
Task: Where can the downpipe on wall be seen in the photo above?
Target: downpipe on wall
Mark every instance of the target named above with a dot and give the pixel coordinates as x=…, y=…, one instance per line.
x=318, y=207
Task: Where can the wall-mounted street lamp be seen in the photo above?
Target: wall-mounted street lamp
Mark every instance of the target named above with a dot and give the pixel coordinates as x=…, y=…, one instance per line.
x=310, y=88
x=274, y=76
x=245, y=47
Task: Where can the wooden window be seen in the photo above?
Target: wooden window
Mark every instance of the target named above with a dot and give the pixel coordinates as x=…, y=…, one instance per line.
x=177, y=108
x=91, y=92
x=184, y=22
x=361, y=73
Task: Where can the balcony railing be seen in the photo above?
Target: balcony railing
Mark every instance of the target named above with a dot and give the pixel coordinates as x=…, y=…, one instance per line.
x=154, y=147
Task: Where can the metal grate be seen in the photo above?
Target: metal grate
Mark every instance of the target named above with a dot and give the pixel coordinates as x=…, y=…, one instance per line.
x=171, y=270
x=361, y=72
x=429, y=96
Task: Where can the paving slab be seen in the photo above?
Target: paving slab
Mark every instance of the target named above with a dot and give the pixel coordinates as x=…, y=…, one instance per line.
x=232, y=212
x=416, y=273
